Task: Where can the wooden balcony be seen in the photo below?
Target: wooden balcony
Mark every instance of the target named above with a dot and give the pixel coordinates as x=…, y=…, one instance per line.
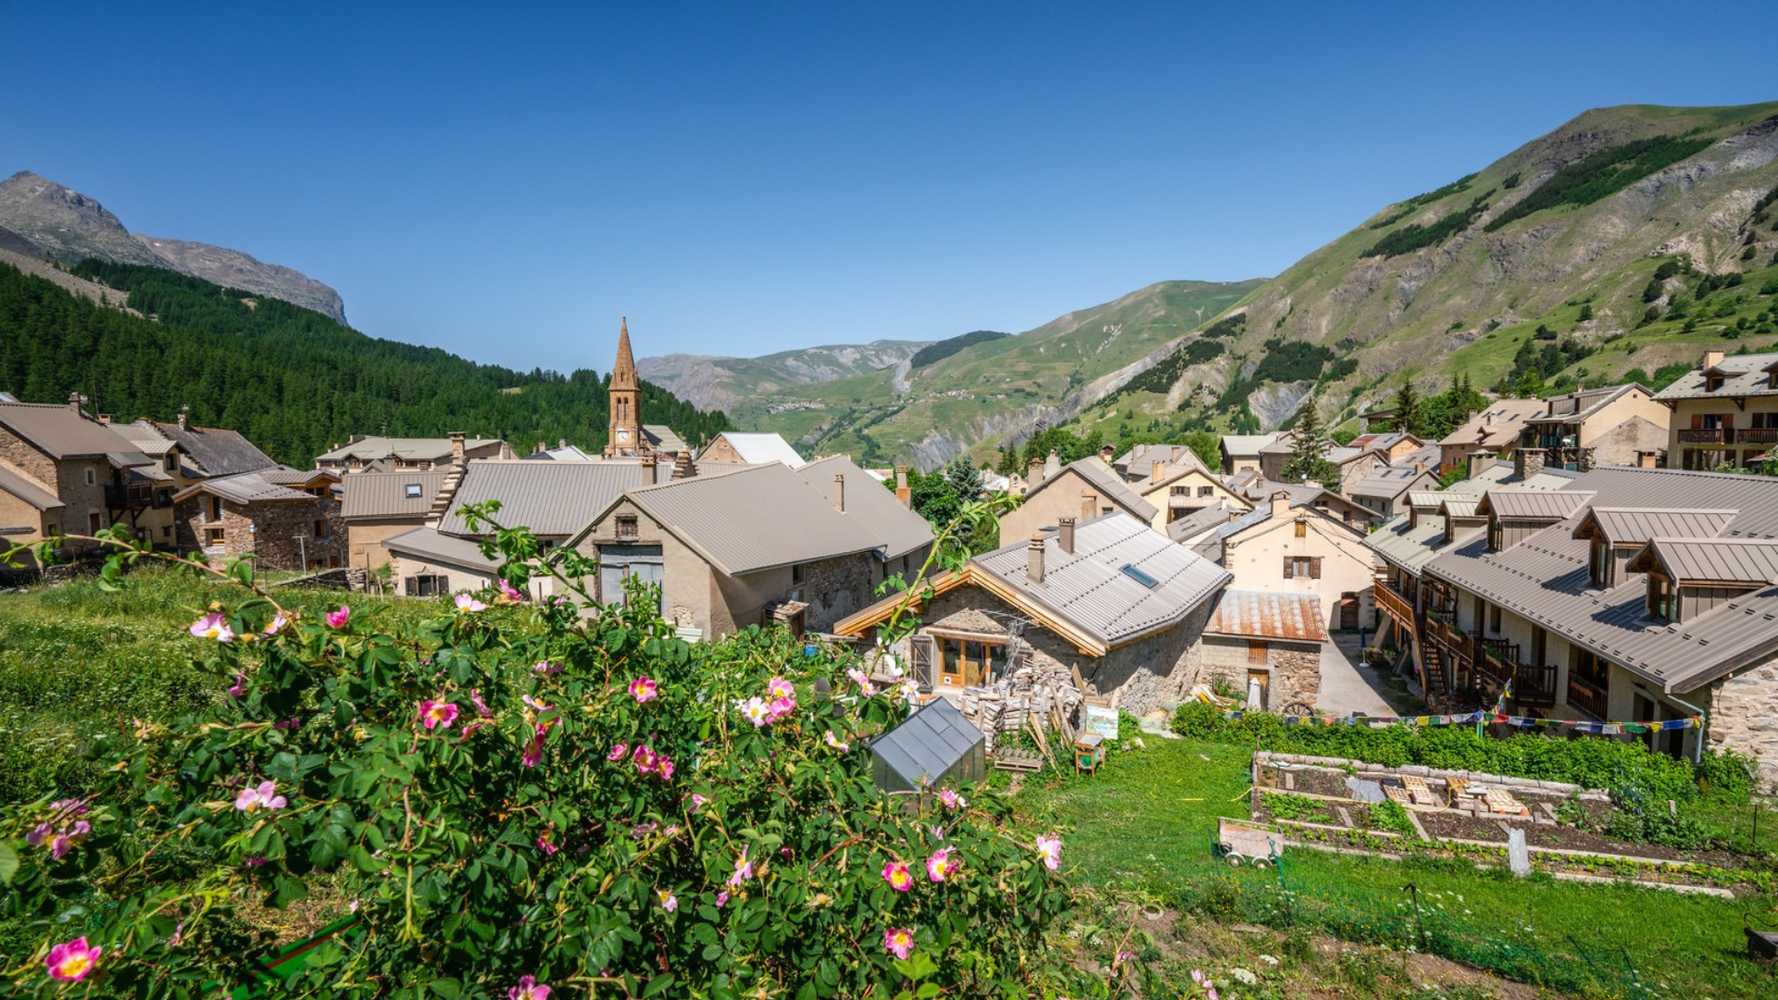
x=1706, y=435
x=1394, y=604
x=1755, y=435
x=1588, y=697
x=132, y=496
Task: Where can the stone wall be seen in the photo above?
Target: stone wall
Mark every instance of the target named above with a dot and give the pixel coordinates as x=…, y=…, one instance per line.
x=834, y=588
x=1294, y=669
x=1743, y=717
x=267, y=529
x=1620, y=445
x=365, y=539
x=67, y=479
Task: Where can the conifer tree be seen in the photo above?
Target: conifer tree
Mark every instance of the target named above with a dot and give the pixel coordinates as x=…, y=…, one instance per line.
x=1308, y=456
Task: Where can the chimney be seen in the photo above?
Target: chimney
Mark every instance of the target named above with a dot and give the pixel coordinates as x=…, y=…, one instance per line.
x=649, y=461
x=1065, y=534
x=1107, y=453
x=541, y=446
x=1089, y=506
x=839, y=492
x=1419, y=468
x=1281, y=503
x=1527, y=462
x=1034, y=471
x=1051, y=465
x=902, y=493
x=74, y=401
x=561, y=442
x=1034, y=559
x=104, y=418
x=1648, y=459
x=1481, y=461
x=1712, y=358
x=457, y=455
x=1154, y=474
x=682, y=467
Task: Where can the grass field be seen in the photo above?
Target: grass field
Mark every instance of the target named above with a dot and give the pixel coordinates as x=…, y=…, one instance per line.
x=1142, y=826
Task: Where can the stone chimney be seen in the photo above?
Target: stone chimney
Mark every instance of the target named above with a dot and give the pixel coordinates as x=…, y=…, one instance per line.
x=74, y=401
x=1034, y=471
x=1648, y=459
x=1051, y=465
x=1712, y=358
x=1527, y=462
x=1482, y=461
x=682, y=466
x=1065, y=534
x=1281, y=503
x=1089, y=506
x=839, y=492
x=1034, y=559
x=457, y=454
x=902, y=493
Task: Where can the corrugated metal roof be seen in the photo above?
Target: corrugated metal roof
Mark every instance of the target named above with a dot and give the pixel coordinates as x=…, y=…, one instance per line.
x=1460, y=506
x=550, y=498
x=61, y=432
x=899, y=529
x=755, y=518
x=371, y=448
x=1745, y=375
x=566, y=453
x=427, y=544
x=1241, y=445
x=1545, y=579
x=1747, y=561
x=1432, y=499
x=1497, y=426
x=28, y=491
x=251, y=487
x=1198, y=522
x=1264, y=615
x=1411, y=548
x=1577, y=407
x=928, y=743
x=1088, y=588
x=385, y=494
x=1534, y=505
x=760, y=449
x=663, y=438
x=1627, y=525
x=1389, y=482
x=217, y=452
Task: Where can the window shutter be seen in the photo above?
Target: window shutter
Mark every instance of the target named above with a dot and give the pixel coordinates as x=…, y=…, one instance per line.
x=921, y=650
x=412, y=585
x=1289, y=568
x=1315, y=568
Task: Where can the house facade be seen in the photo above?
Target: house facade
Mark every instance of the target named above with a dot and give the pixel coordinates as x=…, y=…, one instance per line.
x=380, y=506
x=65, y=472
x=288, y=519
x=1267, y=646
x=1495, y=430
x=738, y=448
x=1281, y=548
x=1586, y=429
x=1082, y=490
x=1724, y=412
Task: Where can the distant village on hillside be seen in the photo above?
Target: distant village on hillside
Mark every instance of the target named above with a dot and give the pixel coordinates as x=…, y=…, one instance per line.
x=1598, y=562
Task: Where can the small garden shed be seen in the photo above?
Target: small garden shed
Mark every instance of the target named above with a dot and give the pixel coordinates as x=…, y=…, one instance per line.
x=935, y=745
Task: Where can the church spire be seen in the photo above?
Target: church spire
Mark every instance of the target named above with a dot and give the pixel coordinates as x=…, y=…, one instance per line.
x=623, y=373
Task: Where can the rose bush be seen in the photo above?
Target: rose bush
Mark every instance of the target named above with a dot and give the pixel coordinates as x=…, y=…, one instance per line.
x=517, y=798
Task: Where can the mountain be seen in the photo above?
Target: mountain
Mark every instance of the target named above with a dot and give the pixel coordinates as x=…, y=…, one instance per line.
x=718, y=383
x=295, y=381
x=993, y=389
x=69, y=226
x=1627, y=240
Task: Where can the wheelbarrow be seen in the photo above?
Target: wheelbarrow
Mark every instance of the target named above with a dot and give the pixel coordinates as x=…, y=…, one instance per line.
x=1239, y=844
x=1762, y=946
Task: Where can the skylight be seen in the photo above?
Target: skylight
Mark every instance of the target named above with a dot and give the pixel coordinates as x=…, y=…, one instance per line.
x=1130, y=570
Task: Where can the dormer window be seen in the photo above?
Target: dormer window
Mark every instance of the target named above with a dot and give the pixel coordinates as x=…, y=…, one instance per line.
x=1599, y=564
x=1712, y=381
x=1493, y=534
x=1663, y=599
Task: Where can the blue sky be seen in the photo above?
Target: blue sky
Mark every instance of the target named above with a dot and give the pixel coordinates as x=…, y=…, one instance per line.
x=505, y=181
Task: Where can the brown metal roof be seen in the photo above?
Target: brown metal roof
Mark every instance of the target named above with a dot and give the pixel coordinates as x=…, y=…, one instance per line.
x=62, y=432
x=386, y=494
x=900, y=530
x=1106, y=482
x=551, y=498
x=1264, y=615
x=1745, y=561
x=1531, y=504
x=1636, y=525
x=28, y=491
x=1497, y=426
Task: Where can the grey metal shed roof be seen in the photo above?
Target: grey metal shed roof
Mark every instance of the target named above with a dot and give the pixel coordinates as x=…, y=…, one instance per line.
x=61, y=432
x=754, y=518
x=429, y=545
x=1461, y=506
x=384, y=494
x=1240, y=445
x=218, y=452
x=1577, y=407
x=1745, y=375
x=899, y=529
x=1089, y=589
x=551, y=498
x=1749, y=561
x=1627, y=525
x=253, y=487
x=1389, y=482
x=928, y=743
x=1199, y=521
x=1529, y=504
x=1412, y=547
x=663, y=438
x=1431, y=499
x=1545, y=579
x=28, y=491
x=1260, y=614
x=760, y=449
x=369, y=449
x=1106, y=482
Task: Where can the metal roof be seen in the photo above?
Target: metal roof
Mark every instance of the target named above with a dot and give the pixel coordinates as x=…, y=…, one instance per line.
x=385, y=494
x=1198, y=522
x=61, y=431
x=1106, y=482
x=1432, y=499
x=216, y=451
x=28, y=491
x=1246, y=444
x=1497, y=426
x=759, y=449
x=369, y=449
x=928, y=743
x=550, y=498
x=899, y=529
x=1744, y=375
x=1389, y=482
x=1746, y=561
x=566, y=453
x=1636, y=525
x=427, y=544
x=1088, y=588
x=1138, y=463
x=755, y=518
x=1411, y=547
x=257, y=487
x=1535, y=505
x=1461, y=506
x=1577, y=407
x=664, y=438
x=1265, y=615
x=1545, y=579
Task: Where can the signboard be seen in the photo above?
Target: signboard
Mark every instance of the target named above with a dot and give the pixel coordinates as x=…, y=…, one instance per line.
x=1101, y=719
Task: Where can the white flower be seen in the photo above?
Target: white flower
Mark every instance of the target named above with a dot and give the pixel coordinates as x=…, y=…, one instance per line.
x=1244, y=976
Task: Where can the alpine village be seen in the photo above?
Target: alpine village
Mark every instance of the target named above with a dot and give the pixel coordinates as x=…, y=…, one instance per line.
x=1402, y=625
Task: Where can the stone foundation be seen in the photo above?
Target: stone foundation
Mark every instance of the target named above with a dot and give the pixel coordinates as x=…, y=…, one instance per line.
x=1743, y=717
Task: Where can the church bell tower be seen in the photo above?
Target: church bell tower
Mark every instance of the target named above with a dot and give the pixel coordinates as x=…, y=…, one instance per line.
x=625, y=437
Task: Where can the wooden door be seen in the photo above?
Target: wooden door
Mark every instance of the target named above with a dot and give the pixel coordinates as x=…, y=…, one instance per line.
x=1348, y=610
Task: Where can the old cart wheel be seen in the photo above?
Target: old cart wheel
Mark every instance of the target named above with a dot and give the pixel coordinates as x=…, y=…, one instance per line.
x=1234, y=860
x=1261, y=863
x=1298, y=710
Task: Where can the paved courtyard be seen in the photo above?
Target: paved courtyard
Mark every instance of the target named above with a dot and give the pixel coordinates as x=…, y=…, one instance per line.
x=1347, y=687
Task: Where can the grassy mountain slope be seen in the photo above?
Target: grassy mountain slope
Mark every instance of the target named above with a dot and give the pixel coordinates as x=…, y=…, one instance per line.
x=969, y=401
x=1565, y=233
x=291, y=379
x=714, y=383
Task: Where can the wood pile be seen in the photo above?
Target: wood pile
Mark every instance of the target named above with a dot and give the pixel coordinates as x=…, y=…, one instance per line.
x=1031, y=698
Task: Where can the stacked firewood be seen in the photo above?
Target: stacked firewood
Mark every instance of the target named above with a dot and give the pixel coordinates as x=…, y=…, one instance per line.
x=1032, y=698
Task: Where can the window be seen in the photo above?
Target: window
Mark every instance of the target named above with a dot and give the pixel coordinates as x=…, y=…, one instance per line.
x=1494, y=618
x=213, y=536
x=1180, y=491
x=171, y=462
x=91, y=479
x=1257, y=651
x=215, y=508
x=1663, y=598
x=1302, y=566
x=1599, y=565
x=94, y=522
x=1205, y=491
x=626, y=527
x=427, y=585
x=967, y=662
x=1140, y=576
x=796, y=574
x=1591, y=668
x=166, y=531
x=1302, y=529
x=1540, y=642
x=320, y=529
x=411, y=491
x=619, y=563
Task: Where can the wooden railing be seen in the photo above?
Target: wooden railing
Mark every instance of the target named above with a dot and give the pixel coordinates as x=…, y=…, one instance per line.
x=1756, y=435
x=1706, y=435
x=1588, y=697
x=1394, y=604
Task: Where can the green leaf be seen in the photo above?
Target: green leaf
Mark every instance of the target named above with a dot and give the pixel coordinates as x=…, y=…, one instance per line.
x=9, y=863
x=658, y=985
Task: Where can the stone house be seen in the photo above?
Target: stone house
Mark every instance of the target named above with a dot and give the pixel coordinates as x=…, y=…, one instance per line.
x=288, y=518
x=1083, y=490
x=1725, y=412
x=758, y=545
x=738, y=448
x=1267, y=646
x=75, y=474
x=362, y=453
x=1495, y=430
x=1111, y=597
x=1284, y=548
x=1589, y=428
x=1240, y=452
x=184, y=454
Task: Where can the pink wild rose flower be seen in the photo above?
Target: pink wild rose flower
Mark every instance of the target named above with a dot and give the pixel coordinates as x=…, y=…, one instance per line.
x=899, y=941
x=646, y=760
x=548, y=669
x=618, y=752
x=666, y=899
x=469, y=605
x=940, y=866
x=756, y=711
x=213, y=626
x=338, y=619
x=778, y=687
x=528, y=989
x=437, y=714
x=278, y=622
x=896, y=874
x=71, y=961
x=506, y=593
x=1050, y=850
x=238, y=689
x=264, y=796
x=743, y=870
x=642, y=689
x=835, y=742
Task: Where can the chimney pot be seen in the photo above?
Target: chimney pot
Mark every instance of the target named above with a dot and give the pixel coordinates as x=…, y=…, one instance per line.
x=839, y=492
x=1107, y=453
x=1065, y=534
x=1034, y=471
x=1034, y=559
x=561, y=442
